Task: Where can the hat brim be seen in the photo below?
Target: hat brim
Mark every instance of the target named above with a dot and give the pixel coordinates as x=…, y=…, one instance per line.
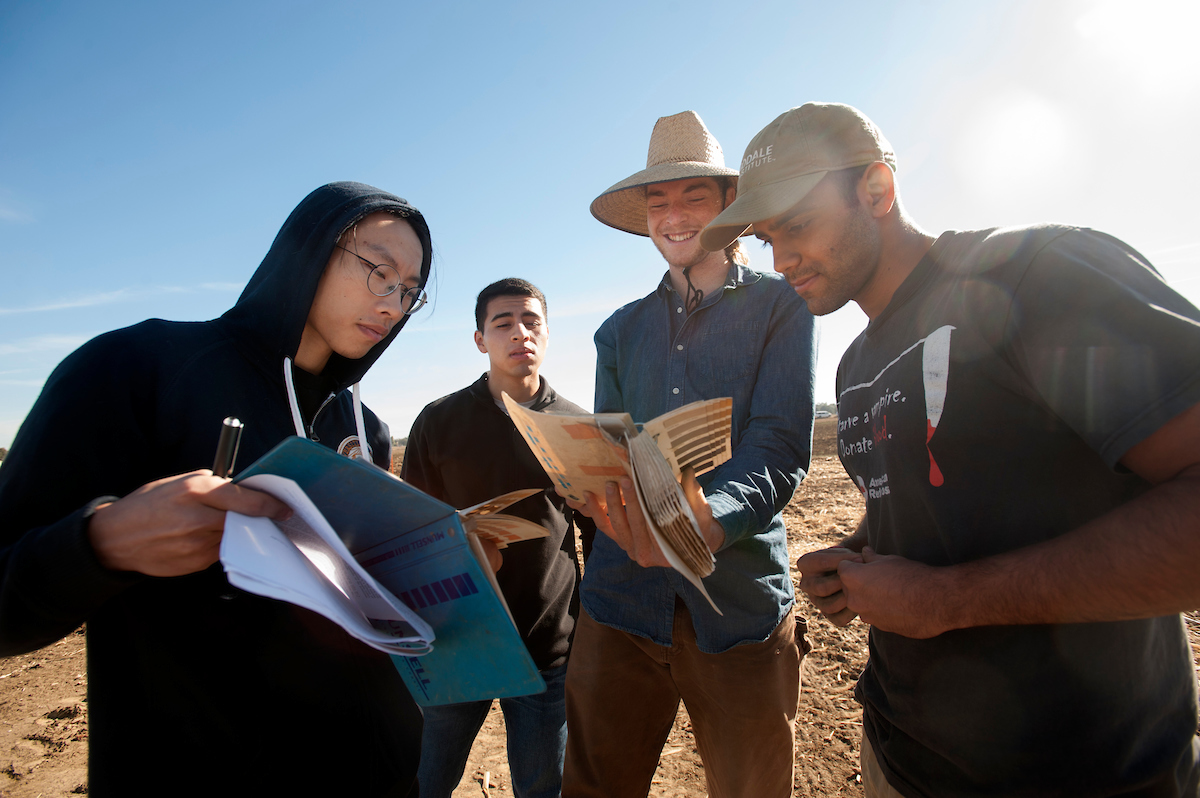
x=623, y=205
x=756, y=205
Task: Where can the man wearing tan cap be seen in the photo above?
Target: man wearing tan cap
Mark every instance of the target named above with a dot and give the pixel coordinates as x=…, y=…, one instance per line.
x=647, y=638
x=1021, y=414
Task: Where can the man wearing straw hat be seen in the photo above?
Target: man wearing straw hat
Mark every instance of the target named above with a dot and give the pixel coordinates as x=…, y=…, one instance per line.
x=647, y=638
x=1022, y=415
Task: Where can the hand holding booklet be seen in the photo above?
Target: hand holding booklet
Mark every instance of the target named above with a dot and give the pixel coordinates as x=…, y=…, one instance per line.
x=584, y=453
x=303, y=561
x=394, y=567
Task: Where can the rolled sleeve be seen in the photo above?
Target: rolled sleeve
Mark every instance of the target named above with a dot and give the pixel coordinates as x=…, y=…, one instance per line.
x=774, y=449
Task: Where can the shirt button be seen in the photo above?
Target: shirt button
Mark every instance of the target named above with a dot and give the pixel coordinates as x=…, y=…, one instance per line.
x=679, y=347
x=674, y=390
x=679, y=310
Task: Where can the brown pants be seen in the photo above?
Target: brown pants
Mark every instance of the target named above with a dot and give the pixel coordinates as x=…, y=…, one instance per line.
x=623, y=692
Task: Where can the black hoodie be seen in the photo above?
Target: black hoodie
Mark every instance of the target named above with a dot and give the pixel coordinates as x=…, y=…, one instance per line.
x=195, y=688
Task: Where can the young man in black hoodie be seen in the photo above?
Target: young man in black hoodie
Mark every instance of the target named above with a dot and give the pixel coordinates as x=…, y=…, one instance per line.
x=463, y=449
x=196, y=688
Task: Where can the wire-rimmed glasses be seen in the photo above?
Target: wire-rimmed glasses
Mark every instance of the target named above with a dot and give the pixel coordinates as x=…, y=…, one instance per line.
x=385, y=280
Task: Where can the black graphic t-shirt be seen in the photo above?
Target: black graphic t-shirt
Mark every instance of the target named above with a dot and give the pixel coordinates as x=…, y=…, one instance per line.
x=985, y=410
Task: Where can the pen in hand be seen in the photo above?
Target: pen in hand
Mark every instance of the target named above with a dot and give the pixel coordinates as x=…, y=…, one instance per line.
x=227, y=447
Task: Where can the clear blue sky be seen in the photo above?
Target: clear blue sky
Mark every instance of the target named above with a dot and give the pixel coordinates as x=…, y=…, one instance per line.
x=150, y=151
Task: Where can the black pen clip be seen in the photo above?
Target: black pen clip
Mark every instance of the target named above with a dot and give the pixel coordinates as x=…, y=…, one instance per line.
x=227, y=447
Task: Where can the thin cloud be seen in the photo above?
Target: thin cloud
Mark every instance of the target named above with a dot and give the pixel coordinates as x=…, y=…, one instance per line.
x=1192, y=245
x=1156, y=261
x=79, y=302
x=1156, y=255
x=120, y=295
x=10, y=208
x=45, y=343
x=14, y=216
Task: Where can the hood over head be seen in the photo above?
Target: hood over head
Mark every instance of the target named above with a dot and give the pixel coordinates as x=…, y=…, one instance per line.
x=271, y=312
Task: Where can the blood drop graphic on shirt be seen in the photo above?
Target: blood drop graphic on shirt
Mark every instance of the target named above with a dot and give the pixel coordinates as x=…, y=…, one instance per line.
x=935, y=369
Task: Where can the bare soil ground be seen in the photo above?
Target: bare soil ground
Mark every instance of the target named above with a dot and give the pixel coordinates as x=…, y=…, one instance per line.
x=43, y=721
x=43, y=704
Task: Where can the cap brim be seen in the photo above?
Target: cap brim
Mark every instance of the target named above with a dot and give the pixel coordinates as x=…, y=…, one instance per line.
x=756, y=205
x=623, y=206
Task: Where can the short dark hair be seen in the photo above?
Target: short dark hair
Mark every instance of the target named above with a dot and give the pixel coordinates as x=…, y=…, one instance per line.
x=509, y=286
x=847, y=182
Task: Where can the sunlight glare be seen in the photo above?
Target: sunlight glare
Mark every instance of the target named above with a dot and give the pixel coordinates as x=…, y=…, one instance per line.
x=324, y=563
x=1153, y=39
x=1015, y=139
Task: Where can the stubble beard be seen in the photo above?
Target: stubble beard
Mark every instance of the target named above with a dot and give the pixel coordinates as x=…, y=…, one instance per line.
x=696, y=258
x=849, y=268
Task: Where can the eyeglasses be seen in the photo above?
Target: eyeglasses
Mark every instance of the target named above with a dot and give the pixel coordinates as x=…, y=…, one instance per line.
x=385, y=281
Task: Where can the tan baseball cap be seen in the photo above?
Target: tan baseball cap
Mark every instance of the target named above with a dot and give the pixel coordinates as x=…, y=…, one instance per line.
x=789, y=157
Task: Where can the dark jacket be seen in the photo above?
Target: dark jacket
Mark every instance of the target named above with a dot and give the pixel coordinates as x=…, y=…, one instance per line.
x=463, y=449
x=195, y=687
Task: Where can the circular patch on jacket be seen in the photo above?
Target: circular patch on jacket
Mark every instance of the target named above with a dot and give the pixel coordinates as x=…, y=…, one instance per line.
x=351, y=448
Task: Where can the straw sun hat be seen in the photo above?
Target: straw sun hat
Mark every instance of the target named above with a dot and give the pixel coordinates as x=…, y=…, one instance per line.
x=680, y=147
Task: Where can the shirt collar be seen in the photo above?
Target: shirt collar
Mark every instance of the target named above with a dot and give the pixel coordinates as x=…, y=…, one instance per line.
x=543, y=398
x=737, y=276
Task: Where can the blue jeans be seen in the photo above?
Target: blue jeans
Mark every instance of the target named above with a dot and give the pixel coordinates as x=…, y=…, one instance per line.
x=537, y=741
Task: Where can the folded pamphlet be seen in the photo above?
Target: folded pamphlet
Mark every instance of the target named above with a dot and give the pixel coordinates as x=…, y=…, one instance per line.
x=584, y=453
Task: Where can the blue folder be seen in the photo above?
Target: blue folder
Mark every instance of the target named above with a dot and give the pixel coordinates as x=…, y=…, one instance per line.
x=415, y=546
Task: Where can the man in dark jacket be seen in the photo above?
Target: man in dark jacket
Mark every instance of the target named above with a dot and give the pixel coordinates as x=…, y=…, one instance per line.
x=464, y=450
x=194, y=687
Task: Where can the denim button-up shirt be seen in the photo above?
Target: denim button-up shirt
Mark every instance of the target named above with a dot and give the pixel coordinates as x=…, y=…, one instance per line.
x=752, y=341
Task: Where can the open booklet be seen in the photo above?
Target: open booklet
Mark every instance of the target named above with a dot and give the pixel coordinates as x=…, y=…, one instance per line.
x=486, y=520
x=583, y=453
x=303, y=561
x=394, y=567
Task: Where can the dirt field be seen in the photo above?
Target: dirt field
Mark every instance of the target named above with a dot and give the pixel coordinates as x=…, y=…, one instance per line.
x=43, y=705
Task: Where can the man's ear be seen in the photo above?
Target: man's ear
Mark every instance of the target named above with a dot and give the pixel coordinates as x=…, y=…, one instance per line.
x=730, y=196
x=479, y=342
x=877, y=189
